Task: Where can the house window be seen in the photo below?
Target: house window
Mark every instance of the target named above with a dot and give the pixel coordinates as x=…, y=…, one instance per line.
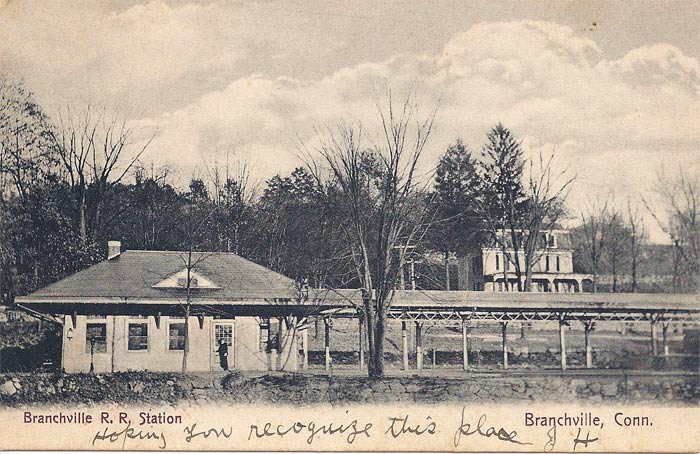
x=506, y=263
x=546, y=263
x=97, y=331
x=498, y=262
x=138, y=336
x=548, y=240
x=176, y=336
x=558, y=268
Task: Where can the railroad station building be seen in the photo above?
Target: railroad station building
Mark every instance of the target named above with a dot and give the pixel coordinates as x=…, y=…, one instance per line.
x=127, y=313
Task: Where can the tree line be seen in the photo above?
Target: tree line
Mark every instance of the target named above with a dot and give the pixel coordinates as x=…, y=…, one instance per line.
x=71, y=183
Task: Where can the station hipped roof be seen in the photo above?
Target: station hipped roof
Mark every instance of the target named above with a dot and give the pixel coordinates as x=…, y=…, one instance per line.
x=146, y=275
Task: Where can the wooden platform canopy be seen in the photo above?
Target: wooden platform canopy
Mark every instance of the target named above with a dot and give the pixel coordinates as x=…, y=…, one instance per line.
x=435, y=306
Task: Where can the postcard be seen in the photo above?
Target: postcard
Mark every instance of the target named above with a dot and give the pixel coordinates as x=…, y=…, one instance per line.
x=349, y=226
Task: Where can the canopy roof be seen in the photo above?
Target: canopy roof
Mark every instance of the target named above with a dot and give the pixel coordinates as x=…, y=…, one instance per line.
x=468, y=300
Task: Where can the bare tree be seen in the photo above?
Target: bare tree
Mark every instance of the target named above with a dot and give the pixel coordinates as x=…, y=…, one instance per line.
x=546, y=195
x=637, y=238
x=154, y=203
x=26, y=158
x=677, y=215
x=375, y=192
x=616, y=246
x=194, y=223
x=233, y=192
x=95, y=152
x=592, y=238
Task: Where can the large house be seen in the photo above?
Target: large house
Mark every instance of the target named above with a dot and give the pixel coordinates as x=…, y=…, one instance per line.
x=492, y=270
x=127, y=313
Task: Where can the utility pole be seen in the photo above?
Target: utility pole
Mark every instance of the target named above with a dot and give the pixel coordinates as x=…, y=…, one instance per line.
x=404, y=251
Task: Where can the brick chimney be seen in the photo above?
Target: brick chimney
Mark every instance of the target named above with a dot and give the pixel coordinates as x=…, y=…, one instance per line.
x=114, y=248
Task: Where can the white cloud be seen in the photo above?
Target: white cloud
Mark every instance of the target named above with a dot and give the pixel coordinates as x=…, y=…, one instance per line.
x=657, y=65
x=136, y=56
x=613, y=120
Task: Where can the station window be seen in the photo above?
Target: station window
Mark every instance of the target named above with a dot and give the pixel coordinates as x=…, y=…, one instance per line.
x=274, y=343
x=498, y=262
x=263, y=334
x=224, y=332
x=268, y=338
x=546, y=263
x=176, y=336
x=138, y=336
x=558, y=267
x=98, y=332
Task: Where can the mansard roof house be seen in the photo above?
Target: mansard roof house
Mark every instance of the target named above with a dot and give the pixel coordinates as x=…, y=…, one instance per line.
x=492, y=269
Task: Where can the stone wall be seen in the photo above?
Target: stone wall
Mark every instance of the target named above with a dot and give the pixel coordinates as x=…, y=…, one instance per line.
x=144, y=387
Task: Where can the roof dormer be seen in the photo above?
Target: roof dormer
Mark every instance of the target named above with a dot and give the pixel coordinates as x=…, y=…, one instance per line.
x=179, y=281
x=548, y=240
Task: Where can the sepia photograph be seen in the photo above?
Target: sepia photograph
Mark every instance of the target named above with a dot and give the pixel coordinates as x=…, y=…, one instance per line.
x=350, y=226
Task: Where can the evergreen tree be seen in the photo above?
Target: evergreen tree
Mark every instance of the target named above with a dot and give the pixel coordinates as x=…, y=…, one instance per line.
x=503, y=202
x=457, y=186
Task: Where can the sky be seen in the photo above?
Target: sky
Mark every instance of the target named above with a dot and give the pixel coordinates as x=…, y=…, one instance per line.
x=612, y=88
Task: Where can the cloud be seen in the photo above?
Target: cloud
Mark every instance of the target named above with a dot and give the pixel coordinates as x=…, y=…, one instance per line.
x=658, y=65
x=614, y=120
x=136, y=56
